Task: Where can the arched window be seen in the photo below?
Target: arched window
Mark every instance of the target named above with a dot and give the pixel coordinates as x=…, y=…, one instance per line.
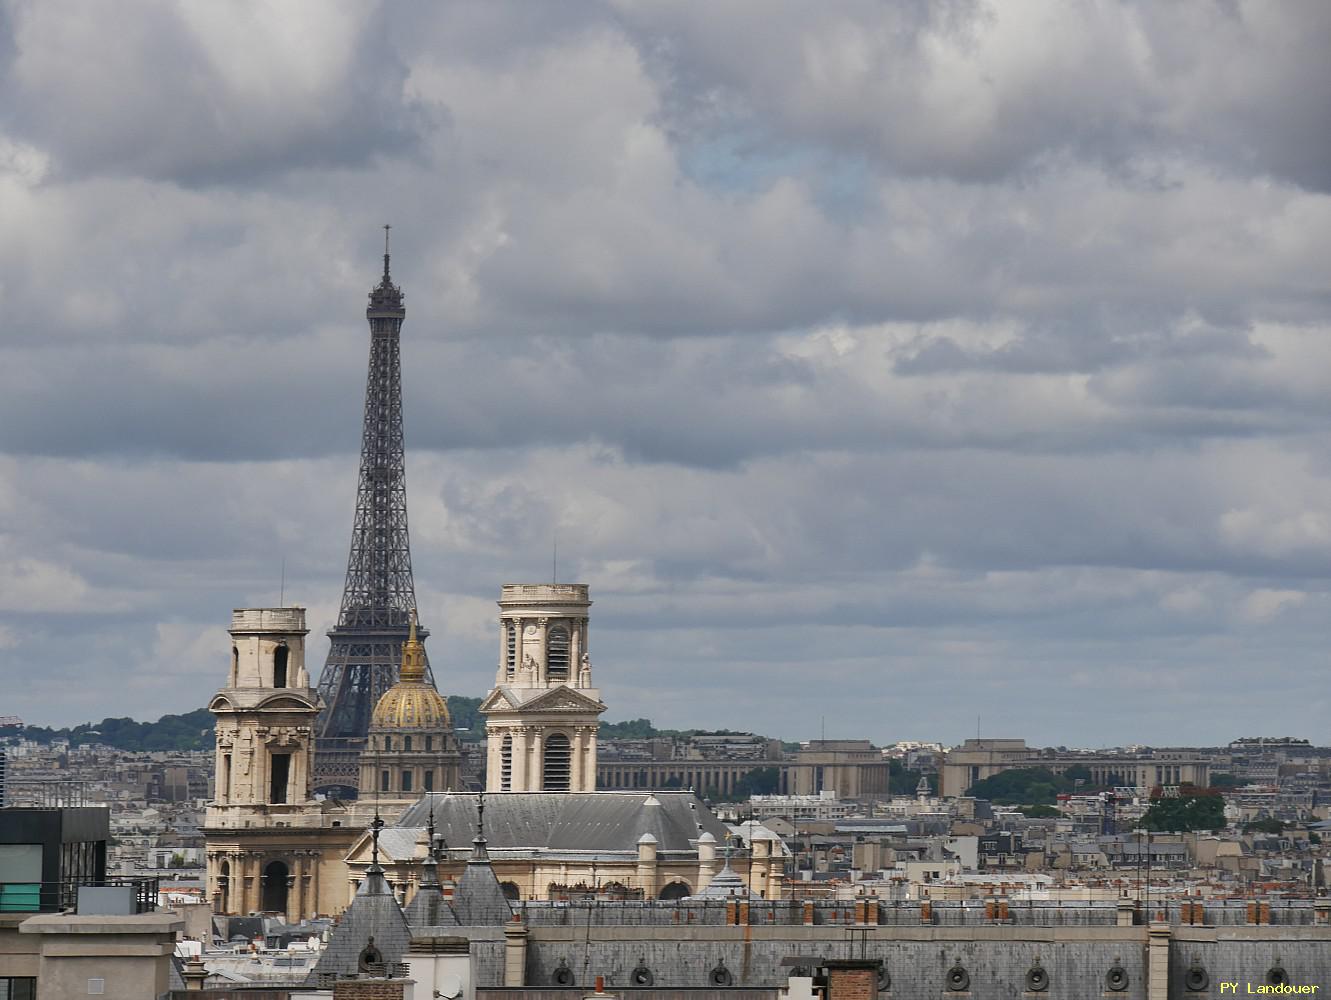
x=556, y=653
x=280, y=655
x=275, y=887
x=675, y=890
x=406, y=781
x=429, y=743
x=406, y=744
x=510, y=648
x=555, y=774
x=235, y=666
x=388, y=743
x=224, y=885
x=506, y=765
x=510, y=890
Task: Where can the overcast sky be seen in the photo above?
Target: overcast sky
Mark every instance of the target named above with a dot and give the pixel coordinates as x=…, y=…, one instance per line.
x=888, y=370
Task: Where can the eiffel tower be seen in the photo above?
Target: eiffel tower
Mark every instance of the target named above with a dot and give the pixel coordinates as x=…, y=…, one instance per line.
x=379, y=595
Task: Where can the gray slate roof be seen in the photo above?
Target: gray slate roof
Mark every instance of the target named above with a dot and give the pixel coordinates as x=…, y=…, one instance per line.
x=551, y=822
x=478, y=900
x=428, y=908
x=374, y=912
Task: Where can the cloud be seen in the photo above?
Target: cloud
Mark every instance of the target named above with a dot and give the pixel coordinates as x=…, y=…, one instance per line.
x=968, y=357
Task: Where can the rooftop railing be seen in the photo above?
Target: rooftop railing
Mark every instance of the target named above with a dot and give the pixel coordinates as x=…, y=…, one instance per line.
x=56, y=897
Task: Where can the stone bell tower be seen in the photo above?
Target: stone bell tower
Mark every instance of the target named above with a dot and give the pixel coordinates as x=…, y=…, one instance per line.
x=541, y=718
x=265, y=754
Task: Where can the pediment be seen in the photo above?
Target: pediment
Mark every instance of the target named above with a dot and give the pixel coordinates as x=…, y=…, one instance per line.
x=563, y=699
x=499, y=700
x=285, y=702
x=221, y=703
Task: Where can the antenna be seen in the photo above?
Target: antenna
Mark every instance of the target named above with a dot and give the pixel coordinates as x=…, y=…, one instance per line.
x=386, y=229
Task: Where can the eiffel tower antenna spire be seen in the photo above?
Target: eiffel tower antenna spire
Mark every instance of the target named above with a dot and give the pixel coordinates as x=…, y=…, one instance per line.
x=379, y=595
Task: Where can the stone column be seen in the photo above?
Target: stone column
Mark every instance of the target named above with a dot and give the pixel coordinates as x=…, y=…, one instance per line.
x=503, y=652
x=706, y=861
x=575, y=744
x=536, y=776
x=519, y=758
x=542, y=666
x=515, y=954
x=1157, y=962
x=647, y=855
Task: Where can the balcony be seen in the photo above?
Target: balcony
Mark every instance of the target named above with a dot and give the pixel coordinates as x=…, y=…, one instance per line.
x=140, y=895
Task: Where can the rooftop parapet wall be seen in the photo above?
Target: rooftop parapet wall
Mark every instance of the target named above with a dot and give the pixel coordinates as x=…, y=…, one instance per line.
x=872, y=911
x=268, y=620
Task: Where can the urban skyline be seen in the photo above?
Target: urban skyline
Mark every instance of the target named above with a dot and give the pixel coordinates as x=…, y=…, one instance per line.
x=864, y=403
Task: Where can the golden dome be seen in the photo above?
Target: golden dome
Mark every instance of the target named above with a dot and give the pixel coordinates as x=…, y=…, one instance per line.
x=411, y=703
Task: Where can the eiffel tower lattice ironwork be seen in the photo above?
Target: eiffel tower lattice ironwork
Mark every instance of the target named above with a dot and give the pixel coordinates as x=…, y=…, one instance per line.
x=379, y=595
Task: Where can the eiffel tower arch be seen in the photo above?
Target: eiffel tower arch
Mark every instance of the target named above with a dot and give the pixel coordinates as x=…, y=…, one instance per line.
x=379, y=595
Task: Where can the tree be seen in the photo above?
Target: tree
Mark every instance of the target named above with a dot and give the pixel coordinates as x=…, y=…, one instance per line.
x=1268, y=825
x=468, y=722
x=760, y=781
x=1023, y=785
x=1187, y=813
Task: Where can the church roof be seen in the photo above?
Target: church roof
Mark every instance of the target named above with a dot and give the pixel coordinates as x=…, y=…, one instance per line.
x=428, y=908
x=478, y=900
x=373, y=913
x=554, y=822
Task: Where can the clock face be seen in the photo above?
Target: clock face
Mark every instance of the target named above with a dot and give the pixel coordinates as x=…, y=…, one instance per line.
x=531, y=630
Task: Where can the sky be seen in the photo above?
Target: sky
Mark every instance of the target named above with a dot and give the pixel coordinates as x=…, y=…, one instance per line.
x=888, y=370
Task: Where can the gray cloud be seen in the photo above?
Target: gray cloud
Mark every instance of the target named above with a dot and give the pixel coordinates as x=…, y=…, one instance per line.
x=970, y=358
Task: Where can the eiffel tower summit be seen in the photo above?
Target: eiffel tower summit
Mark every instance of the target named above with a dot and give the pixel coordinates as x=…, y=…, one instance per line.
x=380, y=595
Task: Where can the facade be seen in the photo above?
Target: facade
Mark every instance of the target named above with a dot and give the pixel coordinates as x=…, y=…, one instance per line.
x=977, y=759
x=560, y=846
x=411, y=747
x=854, y=769
x=541, y=718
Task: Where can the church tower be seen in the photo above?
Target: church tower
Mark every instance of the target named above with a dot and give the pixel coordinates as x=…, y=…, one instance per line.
x=265, y=755
x=266, y=712
x=541, y=718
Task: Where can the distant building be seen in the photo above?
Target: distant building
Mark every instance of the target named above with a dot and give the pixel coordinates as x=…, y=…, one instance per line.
x=977, y=759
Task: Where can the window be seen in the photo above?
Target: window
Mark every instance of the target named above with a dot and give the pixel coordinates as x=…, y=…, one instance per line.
x=279, y=770
x=406, y=781
x=235, y=670
x=383, y=781
x=429, y=779
x=555, y=774
x=388, y=743
x=224, y=782
x=280, y=666
x=506, y=765
x=429, y=743
x=511, y=648
x=406, y=744
x=20, y=879
x=556, y=654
